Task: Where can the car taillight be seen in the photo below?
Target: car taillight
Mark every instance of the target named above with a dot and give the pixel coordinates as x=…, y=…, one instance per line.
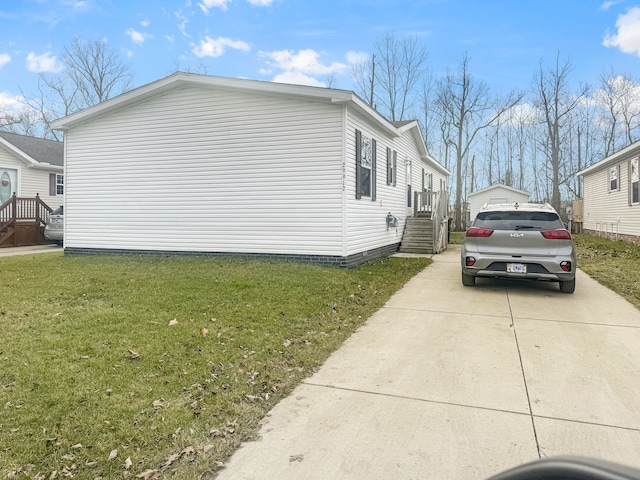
x=560, y=234
x=469, y=261
x=566, y=266
x=479, y=232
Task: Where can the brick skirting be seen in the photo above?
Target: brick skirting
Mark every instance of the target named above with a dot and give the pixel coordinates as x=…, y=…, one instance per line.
x=349, y=261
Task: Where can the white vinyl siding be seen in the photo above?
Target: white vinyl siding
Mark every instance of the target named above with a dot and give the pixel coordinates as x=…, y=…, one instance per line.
x=31, y=180
x=208, y=169
x=366, y=219
x=606, y=210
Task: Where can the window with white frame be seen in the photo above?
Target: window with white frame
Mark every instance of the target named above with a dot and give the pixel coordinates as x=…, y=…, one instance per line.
x=634, y=182
x=59, y=184
x=392, y=165
x=365, y=166
x=614, y=178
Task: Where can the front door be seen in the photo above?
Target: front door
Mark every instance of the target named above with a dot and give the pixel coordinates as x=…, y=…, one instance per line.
x=8, y=183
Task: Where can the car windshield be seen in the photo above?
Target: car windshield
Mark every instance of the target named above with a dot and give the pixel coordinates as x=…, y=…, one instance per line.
x=58, y=211
x=518, y=220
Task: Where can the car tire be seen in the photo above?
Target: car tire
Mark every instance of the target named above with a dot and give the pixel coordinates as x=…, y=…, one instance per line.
x=568, y=287
x=468, y=280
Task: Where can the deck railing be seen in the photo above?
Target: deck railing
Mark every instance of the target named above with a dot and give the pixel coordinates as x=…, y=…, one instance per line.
x=22, y=209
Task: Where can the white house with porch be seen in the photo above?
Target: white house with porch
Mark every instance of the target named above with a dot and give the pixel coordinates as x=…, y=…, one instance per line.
x=196, y=164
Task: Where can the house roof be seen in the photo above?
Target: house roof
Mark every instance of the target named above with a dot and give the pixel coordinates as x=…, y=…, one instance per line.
x=329, y=95
x=37, y=152
x=501, y=187
x=630, y=150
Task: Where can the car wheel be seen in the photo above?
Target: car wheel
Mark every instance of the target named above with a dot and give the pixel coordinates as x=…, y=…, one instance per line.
x=468, y=280
x=568, y=287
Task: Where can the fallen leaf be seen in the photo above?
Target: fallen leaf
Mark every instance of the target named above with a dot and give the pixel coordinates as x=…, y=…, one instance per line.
x=172, y=458
x=207, y=448
x=148, y=474
x=204, y=331
x=53, y=475
x=158, y=404
x=133, y=355
x=286, y=343
x=113, y=454
x=173, y=322
x=76, y=446
x=188, y=451
x=128, y=463
x=90, y=464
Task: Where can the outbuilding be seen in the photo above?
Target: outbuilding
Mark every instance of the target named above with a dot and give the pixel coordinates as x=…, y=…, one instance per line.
x=197, y=164
x=497, y=193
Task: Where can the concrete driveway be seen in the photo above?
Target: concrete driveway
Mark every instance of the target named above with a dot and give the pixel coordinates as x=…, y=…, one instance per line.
x=447, y=382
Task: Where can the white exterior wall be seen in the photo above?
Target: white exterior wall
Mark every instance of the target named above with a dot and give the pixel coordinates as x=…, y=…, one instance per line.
x=610, y=211
x=366, y=219
x=479, y=199
x=31, y=181
x=207, y=169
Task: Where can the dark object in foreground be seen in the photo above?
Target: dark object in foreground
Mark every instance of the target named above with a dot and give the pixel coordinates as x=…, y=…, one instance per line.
x=569, y=468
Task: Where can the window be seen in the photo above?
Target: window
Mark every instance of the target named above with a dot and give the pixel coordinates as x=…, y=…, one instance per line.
x=59, y=184
x=614, y=175
x=56, y=184
x=392, y=165
x=409, y=175
x=634, y=182
x=365, y=166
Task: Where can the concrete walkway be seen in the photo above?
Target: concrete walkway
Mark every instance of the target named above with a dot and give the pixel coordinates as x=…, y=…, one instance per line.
x=447, y=382
x=10, y=251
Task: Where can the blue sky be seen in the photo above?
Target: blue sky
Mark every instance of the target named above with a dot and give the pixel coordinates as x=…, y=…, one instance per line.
x=307, y=41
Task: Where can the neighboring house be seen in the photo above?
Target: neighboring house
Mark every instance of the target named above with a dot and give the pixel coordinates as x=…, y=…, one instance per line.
x=198, y=164
x=31, y=185
x=495, y=194
x=611, y=200
x=31, y=166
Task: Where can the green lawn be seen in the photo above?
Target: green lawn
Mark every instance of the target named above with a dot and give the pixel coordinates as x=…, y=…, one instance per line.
x=115, y=366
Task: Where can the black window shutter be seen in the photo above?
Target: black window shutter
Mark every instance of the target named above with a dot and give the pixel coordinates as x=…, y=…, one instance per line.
x=389, y=167
x=373, y=170
x=395, y=167
x=358, y=163
x=423, y=183
x=52, y=184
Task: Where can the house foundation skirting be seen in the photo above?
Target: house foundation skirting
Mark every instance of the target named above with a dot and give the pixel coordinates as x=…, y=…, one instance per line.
x=348, y=261
x=614, y=236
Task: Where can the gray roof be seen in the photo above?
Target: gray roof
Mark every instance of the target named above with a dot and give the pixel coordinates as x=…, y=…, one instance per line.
x=39, y=149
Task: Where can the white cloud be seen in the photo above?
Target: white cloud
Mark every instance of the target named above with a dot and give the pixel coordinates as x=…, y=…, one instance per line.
x=297, y=78
x=43, y=63
x=145, y=23
x=608, y=4
x=10, y=103
x=210, y=47
x=305, y=61
x=207, y=5
x=355, y=58
x=182, y=26
x=137, y=37
x=4, y=59
x=260, y=3
x=628, y=37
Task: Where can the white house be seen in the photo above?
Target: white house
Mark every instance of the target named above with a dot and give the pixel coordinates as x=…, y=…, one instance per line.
x=31, y=166
x=611, y=199
x=495, y=194
x=197, y=164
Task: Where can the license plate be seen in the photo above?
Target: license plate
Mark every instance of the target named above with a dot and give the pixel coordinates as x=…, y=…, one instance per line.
x=516, y=267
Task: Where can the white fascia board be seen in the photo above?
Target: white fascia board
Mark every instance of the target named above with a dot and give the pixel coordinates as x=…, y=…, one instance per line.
x=611, y=159
x=18, y=153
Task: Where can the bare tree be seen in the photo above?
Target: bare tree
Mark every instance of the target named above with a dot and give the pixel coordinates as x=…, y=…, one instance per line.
x=364, y=77
x=555, y=102
x=92, y=73
x=469, y=106
x=401, y=68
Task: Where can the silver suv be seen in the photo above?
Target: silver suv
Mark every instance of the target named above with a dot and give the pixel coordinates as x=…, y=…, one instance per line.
x=526, y=240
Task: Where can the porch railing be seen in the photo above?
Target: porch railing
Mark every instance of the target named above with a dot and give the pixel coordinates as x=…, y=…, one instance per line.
x=22, y=209
x=435, y=206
